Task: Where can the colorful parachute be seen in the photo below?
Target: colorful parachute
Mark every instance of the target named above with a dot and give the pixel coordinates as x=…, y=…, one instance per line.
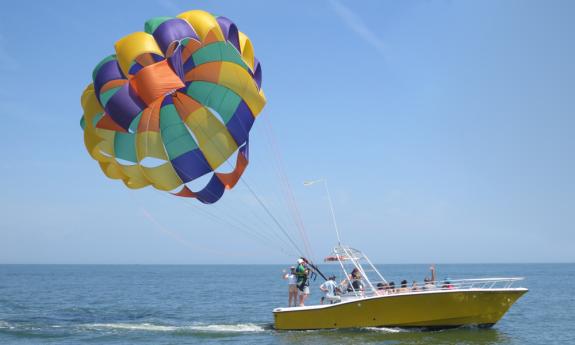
x=184, y=95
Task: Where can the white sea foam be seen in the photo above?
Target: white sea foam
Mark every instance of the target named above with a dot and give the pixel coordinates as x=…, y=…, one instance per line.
x=384, y=329
x=6, y=325
x=205, y=328
x=132, y=327
x=241, y=328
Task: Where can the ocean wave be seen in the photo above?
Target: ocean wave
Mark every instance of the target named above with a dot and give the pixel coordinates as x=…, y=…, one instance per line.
x=203, y=328
x=5, y=325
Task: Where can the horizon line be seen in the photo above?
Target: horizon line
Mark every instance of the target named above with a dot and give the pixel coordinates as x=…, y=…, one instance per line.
x=280, y=264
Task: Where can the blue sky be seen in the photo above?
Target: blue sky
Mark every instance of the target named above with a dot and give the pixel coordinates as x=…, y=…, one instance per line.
x=445, y=130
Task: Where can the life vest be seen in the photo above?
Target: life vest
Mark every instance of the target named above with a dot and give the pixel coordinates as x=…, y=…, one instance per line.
x=302, y=278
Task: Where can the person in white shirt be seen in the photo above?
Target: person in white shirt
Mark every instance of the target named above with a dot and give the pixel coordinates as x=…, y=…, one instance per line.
x=292, y=286
x=329, y=287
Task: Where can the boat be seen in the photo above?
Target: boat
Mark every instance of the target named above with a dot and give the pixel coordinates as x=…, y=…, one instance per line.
x=435, y=305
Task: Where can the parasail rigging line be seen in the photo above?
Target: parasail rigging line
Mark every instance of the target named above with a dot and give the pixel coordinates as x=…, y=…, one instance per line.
x=180, y=239
x=288, y=191
x=246, y=229
x=254, y=194
x=244, y=181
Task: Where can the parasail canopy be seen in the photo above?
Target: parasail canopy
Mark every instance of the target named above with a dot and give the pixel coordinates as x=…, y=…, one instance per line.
x=173, y=104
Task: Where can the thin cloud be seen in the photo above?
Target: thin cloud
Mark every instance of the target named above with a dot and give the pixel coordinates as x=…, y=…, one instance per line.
x=358, y=25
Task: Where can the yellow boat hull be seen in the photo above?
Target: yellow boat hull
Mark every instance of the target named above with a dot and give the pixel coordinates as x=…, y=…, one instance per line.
x=436, y=309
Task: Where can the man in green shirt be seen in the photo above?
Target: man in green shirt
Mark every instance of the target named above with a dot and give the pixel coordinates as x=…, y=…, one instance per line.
x=302, y=274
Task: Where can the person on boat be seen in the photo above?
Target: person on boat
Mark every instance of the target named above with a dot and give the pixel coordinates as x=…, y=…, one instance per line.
x=382, y=289
x=357, y=285
x=302, y=274
x=292, y=286
x=345, y=285
x=353, y=282
x=356, y=281
x=429, y=283
x=403, y=288
x=329, y=287
x=391, y=288
x=356, y=274
x=433, y=274
x=447, y=284
x=414, y=286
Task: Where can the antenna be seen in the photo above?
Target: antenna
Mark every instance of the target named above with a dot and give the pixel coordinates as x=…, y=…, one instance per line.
x=309, y=183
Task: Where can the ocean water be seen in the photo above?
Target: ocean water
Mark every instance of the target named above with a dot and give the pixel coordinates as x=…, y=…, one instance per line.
x=147, y=304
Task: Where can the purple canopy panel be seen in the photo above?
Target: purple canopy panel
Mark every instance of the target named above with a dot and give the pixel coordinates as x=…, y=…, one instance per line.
x=135, y=68
x=189, y=64
x=109, y=71
x=230, y=31
x=175, y=62
x=257, y=72
x=240, y=124
x=212, y=192
x=169, y=99
x=173, y=30
x=191, y=165
x=124, y=106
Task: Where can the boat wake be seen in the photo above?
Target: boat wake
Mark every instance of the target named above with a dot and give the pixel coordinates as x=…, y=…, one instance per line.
x=246, y=327
x=197, y=328
x=130, y=327
x=5, y=325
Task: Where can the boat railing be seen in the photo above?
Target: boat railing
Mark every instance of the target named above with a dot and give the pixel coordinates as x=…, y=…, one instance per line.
x=460, y=284
x=482, y=283
x=351, y=260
